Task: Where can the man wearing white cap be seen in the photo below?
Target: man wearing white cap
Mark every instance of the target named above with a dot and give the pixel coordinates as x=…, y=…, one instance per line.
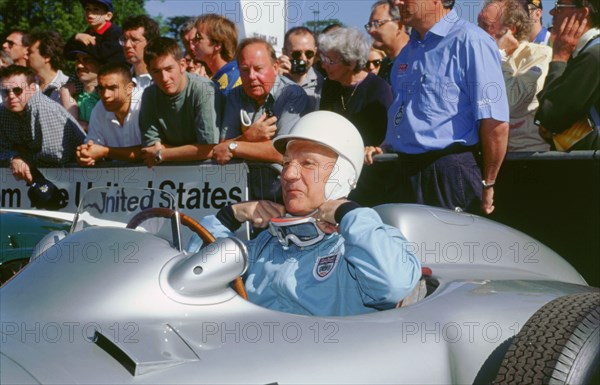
x=323, y=254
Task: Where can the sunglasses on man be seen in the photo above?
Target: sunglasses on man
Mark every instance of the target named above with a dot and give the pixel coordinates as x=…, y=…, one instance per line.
x=10, y=43
x=298, y=54
x=18, y=91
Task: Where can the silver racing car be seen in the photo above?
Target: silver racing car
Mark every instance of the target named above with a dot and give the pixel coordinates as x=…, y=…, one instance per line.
x=117, y=300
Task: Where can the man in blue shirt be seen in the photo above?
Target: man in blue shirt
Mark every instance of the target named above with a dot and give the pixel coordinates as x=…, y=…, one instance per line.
x=539, y=34
x=449, y=103
x=327, y=255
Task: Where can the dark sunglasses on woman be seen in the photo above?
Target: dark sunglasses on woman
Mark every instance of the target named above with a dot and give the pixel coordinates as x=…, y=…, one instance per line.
x=376, y=63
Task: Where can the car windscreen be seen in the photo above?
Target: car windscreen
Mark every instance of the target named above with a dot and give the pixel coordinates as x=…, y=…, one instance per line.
x=144, y=209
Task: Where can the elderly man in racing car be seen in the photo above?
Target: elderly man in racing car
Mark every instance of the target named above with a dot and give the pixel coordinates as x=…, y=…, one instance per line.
x=322, y=254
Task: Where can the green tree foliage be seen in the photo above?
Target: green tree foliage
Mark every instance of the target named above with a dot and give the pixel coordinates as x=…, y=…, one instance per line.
x=175, y=23
x=64, y=16
x=317, y=25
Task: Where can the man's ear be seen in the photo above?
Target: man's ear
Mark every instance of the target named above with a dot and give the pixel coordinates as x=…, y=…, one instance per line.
x=129, y=88
x=108, y=16
x=586, y=12
x=30, y=89
x=400, y=26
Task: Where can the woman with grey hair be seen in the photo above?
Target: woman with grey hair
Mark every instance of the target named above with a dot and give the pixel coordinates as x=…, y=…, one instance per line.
x=350, y=90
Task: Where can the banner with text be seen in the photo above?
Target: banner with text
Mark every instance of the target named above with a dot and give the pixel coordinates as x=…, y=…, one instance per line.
x=199, y=190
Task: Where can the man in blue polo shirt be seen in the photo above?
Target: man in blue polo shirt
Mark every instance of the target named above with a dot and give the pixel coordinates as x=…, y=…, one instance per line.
x=539, y=34
x=450, y=103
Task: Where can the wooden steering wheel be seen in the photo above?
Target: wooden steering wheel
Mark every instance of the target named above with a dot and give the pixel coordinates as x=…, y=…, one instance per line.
x=190, y=223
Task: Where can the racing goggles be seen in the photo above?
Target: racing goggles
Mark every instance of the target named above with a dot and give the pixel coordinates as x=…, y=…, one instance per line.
x=301, y=231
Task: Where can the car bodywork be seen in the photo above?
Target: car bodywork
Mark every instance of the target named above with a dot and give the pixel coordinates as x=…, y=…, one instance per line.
x=21, y=230
x=112, y=305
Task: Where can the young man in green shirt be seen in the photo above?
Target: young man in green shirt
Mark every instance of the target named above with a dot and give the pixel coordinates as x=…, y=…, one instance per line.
x=181, y=112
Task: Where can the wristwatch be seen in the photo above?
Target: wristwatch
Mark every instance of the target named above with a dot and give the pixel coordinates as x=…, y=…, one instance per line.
x=157, y=158
x=489, y=184
x=232, y=147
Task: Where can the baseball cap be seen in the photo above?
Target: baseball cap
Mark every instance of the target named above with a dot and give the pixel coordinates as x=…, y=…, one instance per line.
x=74, y=47
x=535, y=3
x=44, y=194
x=107, y=3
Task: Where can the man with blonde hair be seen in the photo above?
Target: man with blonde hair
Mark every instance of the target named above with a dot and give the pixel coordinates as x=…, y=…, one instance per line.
x=215, y=43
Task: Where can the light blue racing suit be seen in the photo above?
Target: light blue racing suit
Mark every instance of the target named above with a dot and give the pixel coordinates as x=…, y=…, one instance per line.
x=365, y=268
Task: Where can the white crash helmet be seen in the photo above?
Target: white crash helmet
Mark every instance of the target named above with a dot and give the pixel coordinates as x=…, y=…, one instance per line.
x=339, y=134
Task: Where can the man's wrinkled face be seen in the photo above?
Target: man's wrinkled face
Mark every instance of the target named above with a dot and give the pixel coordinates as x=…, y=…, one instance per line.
x=490, y=20
x=13, y=46
x=258, y=71
x=387, y=32
x=114, y=91
x=134, y=43
x=16, y=92
x=306, y=168
x=168, y=74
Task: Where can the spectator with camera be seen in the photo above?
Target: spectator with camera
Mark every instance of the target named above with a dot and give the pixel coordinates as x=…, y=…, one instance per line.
x=296, y=63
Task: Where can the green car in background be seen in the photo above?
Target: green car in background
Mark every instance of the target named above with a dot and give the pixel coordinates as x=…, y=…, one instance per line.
x=20, y=232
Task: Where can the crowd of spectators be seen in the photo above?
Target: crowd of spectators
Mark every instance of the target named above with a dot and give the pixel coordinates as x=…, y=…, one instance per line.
x=407, y=85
